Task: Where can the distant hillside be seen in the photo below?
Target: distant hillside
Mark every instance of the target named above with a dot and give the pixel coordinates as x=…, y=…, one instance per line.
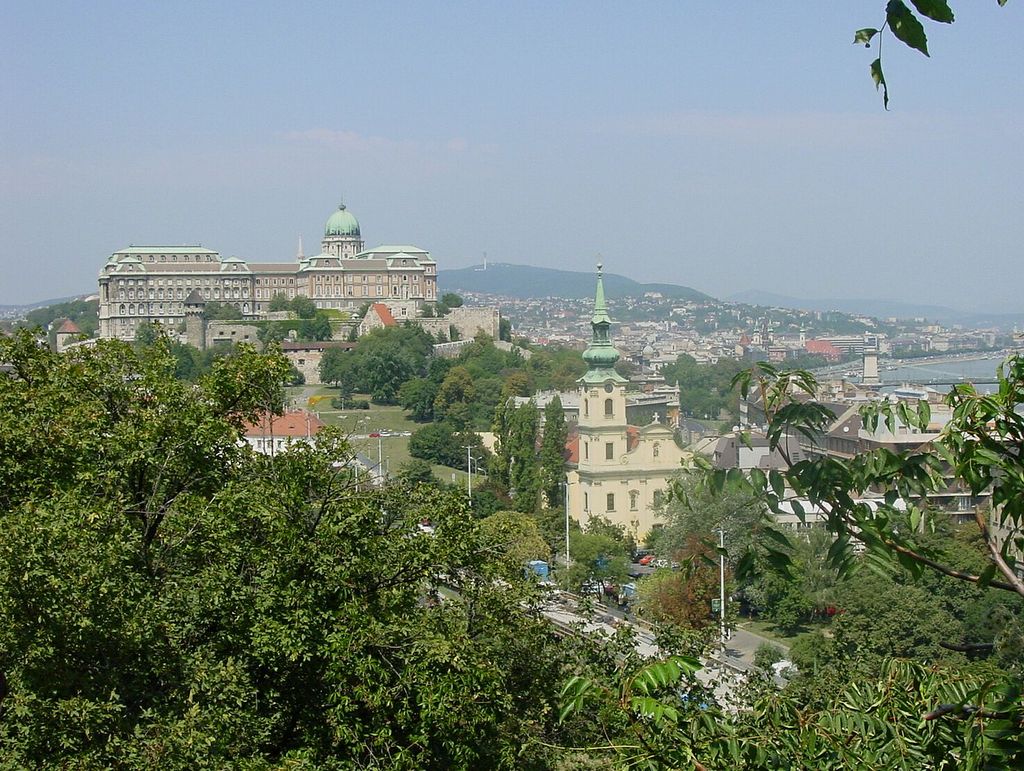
x=20, y=311
x=527, y=281
x=881, y=309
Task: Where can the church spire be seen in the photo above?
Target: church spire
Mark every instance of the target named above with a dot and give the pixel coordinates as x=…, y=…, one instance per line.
x=600, y=355
x=301, y=254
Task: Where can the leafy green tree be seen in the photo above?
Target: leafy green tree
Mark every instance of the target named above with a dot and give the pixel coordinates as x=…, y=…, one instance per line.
x=146, y=334
x=514, y=539
x=455, y=396
x=316, y=328
x=417, y=395
x=451, y=300
x=170, y=599
x=383, y=370
x=279, y=302
x=505, y=330
x=596, y=556
x=416, y=471
x=552, y=452
x=338, y=368
x=438, y=443
x=683, y=596
x=218, y=311
x=303, y=307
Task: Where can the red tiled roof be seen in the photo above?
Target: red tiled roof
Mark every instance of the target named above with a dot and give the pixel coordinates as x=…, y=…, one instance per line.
x=385, y=315
x=822, y=348
x=572, y=448
x=632, y=438
x=293, y=424
x=69, y=328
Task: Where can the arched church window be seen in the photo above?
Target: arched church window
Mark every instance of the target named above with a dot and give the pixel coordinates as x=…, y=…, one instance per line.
x=659, y=497
x=586, y=408
x=657, y=449
x=634, y=498
x=609, y=408
x=611, y=502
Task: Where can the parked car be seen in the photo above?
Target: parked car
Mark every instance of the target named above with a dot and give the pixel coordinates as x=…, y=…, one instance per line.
x=647, y=559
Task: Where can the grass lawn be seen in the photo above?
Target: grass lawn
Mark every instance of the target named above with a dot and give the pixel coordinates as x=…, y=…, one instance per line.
x=394, y=450
x=772, y=632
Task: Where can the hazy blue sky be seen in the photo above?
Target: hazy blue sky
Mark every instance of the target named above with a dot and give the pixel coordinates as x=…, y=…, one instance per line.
x=725, y=146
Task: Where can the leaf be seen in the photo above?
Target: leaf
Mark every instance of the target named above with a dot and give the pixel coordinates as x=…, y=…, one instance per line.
x=936, y=10
x=905, y=26
x=863, y=36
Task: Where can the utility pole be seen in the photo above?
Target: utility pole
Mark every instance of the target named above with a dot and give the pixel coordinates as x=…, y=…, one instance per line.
x=721, y=583
x=565, y=487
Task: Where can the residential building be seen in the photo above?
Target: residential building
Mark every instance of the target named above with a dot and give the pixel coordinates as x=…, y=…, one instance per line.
x=276, y=433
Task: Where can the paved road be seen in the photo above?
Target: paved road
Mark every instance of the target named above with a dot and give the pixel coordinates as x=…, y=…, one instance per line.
x=743, y=644
x=723, y=680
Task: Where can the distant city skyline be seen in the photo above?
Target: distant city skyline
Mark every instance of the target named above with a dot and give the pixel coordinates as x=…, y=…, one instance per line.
x=722, y=148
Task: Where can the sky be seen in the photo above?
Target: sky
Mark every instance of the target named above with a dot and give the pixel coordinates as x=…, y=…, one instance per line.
x=723, y=146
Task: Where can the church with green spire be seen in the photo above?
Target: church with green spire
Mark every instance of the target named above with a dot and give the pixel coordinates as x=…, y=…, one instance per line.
x=621, y=471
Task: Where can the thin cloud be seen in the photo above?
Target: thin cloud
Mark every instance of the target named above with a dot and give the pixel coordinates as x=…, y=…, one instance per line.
x=757, y=128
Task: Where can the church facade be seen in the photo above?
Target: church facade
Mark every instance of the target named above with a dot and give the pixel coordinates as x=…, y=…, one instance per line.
x=151, y=283
x=622, y=471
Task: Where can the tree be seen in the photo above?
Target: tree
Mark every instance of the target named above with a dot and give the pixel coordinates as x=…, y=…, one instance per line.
x=451, y=300
x=683, y=596
x=317, y=328
x=505, y=330
x=415, y=472
x=146, y=334
x=303, y=307
x=454, y=397
x=514, y=539
x=218, y=311
x=436, y=443
x=170, y=599
x=338, y=368
x=552, y=452
x=417, y=395
x=597, y=557
x=279, y=302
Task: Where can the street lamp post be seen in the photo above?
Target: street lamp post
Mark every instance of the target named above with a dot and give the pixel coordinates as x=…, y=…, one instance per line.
x=469, y=471
x=721, y=583
x=565, y=499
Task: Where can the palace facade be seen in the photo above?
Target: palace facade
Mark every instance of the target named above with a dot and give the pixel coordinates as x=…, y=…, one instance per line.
x=151, y=283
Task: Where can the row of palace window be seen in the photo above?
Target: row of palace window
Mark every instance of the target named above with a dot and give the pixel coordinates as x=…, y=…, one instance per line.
x=634, y=500
x=184, y=258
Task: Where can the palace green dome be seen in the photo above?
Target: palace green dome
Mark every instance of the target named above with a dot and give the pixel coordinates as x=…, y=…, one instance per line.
x=342, y=223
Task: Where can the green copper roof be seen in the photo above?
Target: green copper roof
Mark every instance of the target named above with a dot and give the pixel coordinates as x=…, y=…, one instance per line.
x=600, y=355
x=341, y=223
